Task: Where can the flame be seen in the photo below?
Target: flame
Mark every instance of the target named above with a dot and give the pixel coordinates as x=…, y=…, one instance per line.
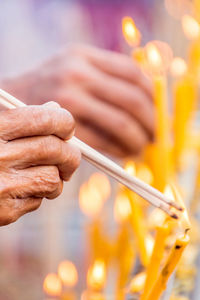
x=139, y=55
x=137, y=283
x=96, y=277
x=67, y=273
x=145, y=174
x=149, y=242
x=130, y=168
x=52, y=285
x=191, y=27
x=153, y=57
x=178, y=67
x=122, y=208
x=90, y=200
x=101, y=183
x=159, y=56
x=130, y=32
x=156, y=217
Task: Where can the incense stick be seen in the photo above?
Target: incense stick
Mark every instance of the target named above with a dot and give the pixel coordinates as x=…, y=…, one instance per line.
x=106, y=165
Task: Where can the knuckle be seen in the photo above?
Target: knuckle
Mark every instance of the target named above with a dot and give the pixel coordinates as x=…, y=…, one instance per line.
x=67, y=122
x=74, y=159
x=51, y=181
x=50, y=147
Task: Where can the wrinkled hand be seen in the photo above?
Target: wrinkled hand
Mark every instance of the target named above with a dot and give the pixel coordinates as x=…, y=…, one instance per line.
x=34, y=159
x=107, y=93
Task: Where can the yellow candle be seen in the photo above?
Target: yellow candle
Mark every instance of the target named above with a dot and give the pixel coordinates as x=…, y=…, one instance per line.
x=185, y=96
x=162, y=168
x=169, y=267
x=139, y=227
x=156, y=258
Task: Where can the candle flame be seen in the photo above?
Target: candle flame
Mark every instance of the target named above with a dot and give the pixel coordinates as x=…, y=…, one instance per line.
x=149, y=241
x=191, y=27
x=130, y=168
x=52, y=285
x=122, y=208
x=178, y=67
x=137, y=283
x=101, y=183
x=67, y=273
x=153, y=57
x=96, y=277
x=159, y=56
x=130, y=32
x=145, y=174
x=90, y=200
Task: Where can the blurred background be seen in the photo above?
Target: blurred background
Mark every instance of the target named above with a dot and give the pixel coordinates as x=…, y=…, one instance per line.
x=30, y=32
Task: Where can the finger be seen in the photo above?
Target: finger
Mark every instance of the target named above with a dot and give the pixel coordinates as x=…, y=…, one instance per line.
x=48, y=150
x=36, y=120
x=117, y=92
x=99, y=141
x=126, y=96
x=118, y=65
x=109, y=119
x=13, y=209
x=37, y=182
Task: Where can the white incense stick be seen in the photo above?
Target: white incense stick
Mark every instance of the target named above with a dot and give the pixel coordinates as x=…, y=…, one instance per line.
x=103, y=163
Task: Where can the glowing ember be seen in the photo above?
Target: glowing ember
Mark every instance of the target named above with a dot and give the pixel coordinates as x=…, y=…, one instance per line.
x=178, y=67
x=96, y=277
x=130, y=31
x=130, y=168
x=52, y=285
x=101, y=183
x=191, y=27
x=67, y=273
x=145, y=174
x=122, y=208
x=90, y=200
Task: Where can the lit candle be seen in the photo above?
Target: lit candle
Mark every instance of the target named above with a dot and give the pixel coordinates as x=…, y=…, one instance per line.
x=137, y=219
x=96, y=276
x=185, y=95
x=169, y=267
x=52, y=286
x=69, y=276
x=131, y=32
x=162, y=162
x=162, y=232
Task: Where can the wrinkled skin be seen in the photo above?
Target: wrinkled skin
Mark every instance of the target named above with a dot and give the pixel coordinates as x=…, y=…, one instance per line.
x=107, y=93
x=34, y=158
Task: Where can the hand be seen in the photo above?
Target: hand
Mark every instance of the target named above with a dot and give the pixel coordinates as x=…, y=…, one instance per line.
x=107, y=93
x=34, y=159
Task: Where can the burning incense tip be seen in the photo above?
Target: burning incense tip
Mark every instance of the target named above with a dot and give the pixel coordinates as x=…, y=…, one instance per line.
x=174, y=216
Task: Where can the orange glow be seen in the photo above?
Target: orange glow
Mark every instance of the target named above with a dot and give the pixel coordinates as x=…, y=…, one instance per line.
x=145, y=174
x=139, y=55
x=178, y=67
x=52, y=285
x=90, y=200
x=137, y=283
x=130, y=32
x=67, y=273
x=122, y=208
x=191, y=27
x=153, y=57
x=159, y=56
x=101, y=183
x=130, y=168
x=96, y=277
x=156, y=217
x=149, y=242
